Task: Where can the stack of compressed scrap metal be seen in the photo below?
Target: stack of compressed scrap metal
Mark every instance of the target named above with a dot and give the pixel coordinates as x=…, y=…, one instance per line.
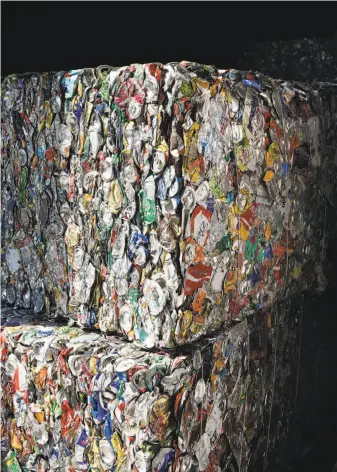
x=168, y=212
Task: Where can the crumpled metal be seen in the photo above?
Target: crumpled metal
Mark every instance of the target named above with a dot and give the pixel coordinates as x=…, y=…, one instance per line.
x=79, y=400
x=162, y=201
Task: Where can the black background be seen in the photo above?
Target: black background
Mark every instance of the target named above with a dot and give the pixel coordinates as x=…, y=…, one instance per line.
x=52, y=36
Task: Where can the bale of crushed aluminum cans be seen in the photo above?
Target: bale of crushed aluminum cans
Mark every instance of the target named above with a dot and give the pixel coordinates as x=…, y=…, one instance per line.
x=74, y=401
x=159, y=201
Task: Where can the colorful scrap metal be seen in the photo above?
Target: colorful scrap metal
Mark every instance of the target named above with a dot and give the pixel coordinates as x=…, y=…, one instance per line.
x=160, y=201
x=75, y=401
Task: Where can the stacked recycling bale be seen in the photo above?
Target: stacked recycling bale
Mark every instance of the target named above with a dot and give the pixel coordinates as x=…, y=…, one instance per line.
x=160, y=203
x=80, y=401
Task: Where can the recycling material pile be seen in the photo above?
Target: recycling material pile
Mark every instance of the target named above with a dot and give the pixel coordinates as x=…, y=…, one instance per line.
x=175, y=206
x=159, y=201
x=82, y=401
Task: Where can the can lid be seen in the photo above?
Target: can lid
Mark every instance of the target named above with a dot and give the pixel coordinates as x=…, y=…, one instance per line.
x=202, y=193
x=22, y=157
x=123, y=365
x=154, y=296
